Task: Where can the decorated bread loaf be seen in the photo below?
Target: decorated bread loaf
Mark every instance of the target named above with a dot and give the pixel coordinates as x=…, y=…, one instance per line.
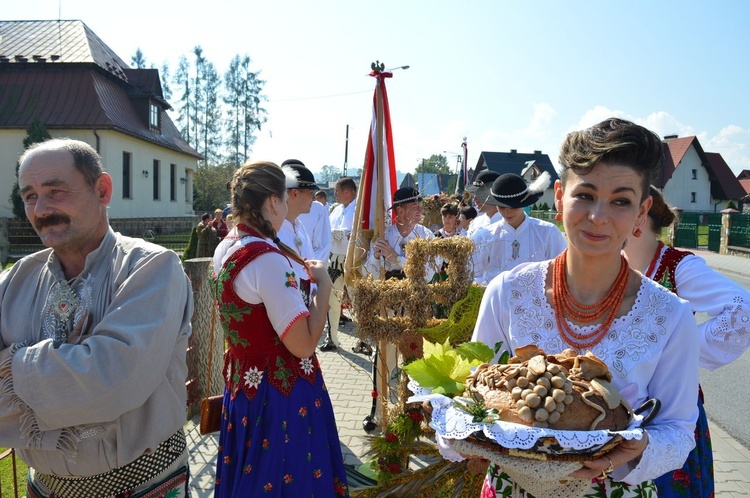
x=566, y=391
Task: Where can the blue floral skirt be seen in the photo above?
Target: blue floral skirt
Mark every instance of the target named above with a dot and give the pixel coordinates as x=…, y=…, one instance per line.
x=278, y=445
x=696, y=478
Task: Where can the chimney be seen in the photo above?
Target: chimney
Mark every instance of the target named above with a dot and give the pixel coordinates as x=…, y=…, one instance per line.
x=513, y=151
x=537, y=152
x=669, y=137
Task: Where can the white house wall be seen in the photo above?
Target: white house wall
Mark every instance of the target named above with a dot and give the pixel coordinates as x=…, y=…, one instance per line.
x=678, y=192
x=141, y=203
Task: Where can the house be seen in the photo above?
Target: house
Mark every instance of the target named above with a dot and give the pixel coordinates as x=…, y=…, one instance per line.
x=64, y=75
x=694, y=180
x=529, y=166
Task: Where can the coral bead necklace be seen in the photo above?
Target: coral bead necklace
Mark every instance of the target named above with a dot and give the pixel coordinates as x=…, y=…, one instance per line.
x=565, y=305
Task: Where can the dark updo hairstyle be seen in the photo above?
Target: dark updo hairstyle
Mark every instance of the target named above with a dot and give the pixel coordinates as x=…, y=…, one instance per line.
x=660, y=215
x=252, y=184
x=205, y=216
x=613, y=141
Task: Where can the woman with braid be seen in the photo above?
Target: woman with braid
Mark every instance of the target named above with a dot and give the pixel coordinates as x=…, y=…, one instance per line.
x=278, y=435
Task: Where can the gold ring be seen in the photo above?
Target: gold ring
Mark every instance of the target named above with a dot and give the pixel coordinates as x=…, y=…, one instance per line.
x=609, y=469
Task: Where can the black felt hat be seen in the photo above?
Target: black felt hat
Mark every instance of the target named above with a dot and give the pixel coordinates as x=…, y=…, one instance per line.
x=511, y=191
x=405, y=195
x=480, y=187
x=305, y=177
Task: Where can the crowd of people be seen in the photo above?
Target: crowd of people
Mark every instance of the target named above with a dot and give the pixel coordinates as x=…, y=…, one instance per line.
x=94, y=329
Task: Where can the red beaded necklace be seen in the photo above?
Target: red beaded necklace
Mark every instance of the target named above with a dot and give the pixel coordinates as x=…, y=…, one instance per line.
x=565, y=305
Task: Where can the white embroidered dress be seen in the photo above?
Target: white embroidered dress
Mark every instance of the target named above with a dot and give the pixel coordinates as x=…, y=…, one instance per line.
x=651, y=353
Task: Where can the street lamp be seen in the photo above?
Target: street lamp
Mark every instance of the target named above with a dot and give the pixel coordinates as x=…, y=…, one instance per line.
x=399, y=67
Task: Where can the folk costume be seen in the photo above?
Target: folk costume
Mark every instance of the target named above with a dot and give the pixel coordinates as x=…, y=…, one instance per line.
x=207, y=240
x=651, y=353
x=102, y=417
x=341, y=221
x=723, y=338
x=318, y=227
x=504, y=247
x=278, y=434
x=295, y=236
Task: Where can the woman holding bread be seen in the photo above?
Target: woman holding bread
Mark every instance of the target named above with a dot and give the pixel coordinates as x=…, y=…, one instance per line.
x=588, y=299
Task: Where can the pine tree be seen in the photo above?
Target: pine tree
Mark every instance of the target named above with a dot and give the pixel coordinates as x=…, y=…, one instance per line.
x=37, y=132
x=138, y=61
x=182, y=81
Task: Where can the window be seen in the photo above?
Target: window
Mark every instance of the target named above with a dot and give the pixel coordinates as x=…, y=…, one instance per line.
x=692, y=197
x=157, y=183
x=188, y=189
x=126, y=174
x=695, y=174
x=172, y=182
x=153, y=116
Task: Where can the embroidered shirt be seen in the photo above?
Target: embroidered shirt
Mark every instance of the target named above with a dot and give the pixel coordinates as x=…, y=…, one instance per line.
x=725, y=336
x=651, y=353
x=106, y=389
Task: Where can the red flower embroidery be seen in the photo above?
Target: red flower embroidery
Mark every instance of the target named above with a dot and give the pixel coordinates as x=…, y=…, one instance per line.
x=227, y=459
x=303, y=411
x=317, y=474
x=288, y=478
x=266, y=444
x=244, y=421
x=268, y=487
x=248, y=468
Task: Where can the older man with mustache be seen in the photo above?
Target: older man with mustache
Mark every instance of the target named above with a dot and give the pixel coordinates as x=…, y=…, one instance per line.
x=93, y=333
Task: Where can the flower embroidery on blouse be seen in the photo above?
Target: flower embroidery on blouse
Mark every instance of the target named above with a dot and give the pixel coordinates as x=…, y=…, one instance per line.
x=291, y=281
x=253, y=377
x=306, y=365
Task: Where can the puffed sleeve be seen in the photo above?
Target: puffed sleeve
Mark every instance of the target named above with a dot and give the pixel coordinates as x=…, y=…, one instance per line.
x=270, y=279
x=492, y=321
x=725, y=336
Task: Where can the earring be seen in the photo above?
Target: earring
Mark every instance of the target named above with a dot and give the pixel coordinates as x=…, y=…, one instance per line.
x=637, y=232
x=275, y=213
x=558, y=216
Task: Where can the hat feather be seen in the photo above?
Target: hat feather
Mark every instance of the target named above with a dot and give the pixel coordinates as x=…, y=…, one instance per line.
x=540, y=184
x=292, y=177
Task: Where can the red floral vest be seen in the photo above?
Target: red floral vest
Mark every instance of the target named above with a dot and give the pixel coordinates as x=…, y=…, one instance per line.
x=664, y=275
x=255, y=352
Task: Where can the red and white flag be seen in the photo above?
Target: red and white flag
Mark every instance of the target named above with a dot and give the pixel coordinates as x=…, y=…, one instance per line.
x=378, y=182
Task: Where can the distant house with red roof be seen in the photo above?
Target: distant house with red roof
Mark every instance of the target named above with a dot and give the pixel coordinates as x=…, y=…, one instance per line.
x=63, y=74
x=694, y=180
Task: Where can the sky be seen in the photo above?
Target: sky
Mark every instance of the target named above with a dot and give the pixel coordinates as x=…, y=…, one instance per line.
x=504, y=74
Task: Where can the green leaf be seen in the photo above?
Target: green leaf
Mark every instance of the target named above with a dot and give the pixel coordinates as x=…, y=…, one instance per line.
x=475, y=352
x=437, y=373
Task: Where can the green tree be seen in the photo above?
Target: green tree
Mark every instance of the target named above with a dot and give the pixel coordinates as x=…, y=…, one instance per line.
x=244, y=114
x=210, y=187
x=166, y=90
x=211, y=141
x=138, y=61
x=37, y=132
x=436, y=163
x=330, y=173
x=184, y=108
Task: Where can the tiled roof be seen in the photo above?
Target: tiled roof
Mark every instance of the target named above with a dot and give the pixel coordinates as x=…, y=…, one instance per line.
x=87, y=86
x=726, y=185
x=745, y=185
x=514, y=162
x=674, y=150
x=64, y=42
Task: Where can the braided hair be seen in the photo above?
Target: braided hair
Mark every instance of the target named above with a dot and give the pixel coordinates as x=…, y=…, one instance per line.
x=252, y=184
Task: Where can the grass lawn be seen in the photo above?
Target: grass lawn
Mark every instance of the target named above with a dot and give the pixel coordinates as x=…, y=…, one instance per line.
x=6, y=475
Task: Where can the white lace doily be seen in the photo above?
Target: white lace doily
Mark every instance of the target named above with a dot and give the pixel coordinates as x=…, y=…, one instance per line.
x=451, y=422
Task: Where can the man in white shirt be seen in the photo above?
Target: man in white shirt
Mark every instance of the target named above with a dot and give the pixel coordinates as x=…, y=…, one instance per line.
x=301, y=190
x=518, y=238
x=388, y=251
x=486, y=213
x=341, y=221
x=318, y=227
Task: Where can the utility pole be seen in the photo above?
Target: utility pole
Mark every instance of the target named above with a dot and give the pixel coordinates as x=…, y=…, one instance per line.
x=346, y=151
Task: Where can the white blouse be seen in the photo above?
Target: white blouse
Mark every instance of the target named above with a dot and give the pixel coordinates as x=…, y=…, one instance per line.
x=726, y=335
x=650, y=351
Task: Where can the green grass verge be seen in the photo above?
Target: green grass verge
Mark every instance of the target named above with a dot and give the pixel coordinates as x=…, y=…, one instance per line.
x=6, y=475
